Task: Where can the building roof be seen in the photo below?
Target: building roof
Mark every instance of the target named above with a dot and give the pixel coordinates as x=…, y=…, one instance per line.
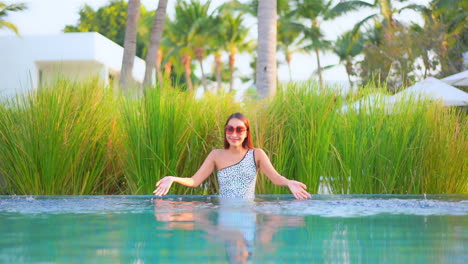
x=459, y=79
x=434, y=89
x=20, y=56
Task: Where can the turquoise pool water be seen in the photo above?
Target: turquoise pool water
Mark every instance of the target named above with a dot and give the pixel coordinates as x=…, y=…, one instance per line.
x=206, y=229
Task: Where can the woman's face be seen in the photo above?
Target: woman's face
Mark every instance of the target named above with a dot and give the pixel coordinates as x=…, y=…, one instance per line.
x=235, y=132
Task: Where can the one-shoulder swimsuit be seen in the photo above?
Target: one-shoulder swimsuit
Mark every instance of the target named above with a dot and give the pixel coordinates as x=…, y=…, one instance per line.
x=239, y=180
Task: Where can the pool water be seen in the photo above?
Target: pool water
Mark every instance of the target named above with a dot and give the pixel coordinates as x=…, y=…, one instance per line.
x=207, y=229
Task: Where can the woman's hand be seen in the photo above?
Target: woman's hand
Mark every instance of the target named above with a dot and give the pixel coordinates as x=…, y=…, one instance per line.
x=163, y=186
x=298, y=189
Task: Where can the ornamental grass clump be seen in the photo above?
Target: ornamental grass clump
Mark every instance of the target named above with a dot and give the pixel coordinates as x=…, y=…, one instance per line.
x=82, y=138
x=55, y=140
x=395, y=147
x=445, y=162
x=378, y=152
x=207, y=133
x=296, y=129
x=155, y=136
x=169, y=132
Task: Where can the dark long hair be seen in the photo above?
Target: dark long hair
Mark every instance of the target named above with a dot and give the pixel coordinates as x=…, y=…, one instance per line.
x=247, y=143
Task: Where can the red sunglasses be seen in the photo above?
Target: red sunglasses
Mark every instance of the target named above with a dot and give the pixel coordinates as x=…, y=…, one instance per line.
x=230, y=129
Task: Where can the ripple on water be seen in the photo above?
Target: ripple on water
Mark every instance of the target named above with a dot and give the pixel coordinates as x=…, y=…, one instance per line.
x=325, y=206
x=356, y=207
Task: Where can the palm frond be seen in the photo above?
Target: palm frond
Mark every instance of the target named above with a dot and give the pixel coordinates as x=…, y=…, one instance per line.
x=362, y=22
x=348, y=6
x=9, y=25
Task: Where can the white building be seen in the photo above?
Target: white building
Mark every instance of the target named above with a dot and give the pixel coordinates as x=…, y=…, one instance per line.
x=28, y=62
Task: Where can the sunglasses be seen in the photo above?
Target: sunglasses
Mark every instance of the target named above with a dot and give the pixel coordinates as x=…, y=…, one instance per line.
x=230, y=129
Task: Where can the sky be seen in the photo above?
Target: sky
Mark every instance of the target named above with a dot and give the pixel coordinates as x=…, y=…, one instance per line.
x=51, y=16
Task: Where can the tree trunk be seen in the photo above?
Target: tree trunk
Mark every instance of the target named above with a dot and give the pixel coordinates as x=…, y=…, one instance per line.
x=218, y=65
x=168, y=70
x=186, y=61
x=319, y=70
x=166, y=77
x=133, y=15
x=386, y=11
x=155, y=39
x=203, y=75
x=160, y=79
x=199, y=54
x=232, y=62
x=266, y=51
x=349, y=71
x=288, y=60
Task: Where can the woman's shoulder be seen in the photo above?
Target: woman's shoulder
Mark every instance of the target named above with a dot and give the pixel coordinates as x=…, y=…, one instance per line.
x=259, y=151
x=217, y=152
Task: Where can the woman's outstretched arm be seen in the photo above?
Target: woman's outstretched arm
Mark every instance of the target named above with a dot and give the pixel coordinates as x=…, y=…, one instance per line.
x=297, y=188
x=205, y=170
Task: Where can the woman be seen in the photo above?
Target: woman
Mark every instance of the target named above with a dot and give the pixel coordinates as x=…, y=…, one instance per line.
x=237, y=166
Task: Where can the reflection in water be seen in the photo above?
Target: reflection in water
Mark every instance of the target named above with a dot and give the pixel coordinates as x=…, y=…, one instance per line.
x=181, y=229
x=235, y=224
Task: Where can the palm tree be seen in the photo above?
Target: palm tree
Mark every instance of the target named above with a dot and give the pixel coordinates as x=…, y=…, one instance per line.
x=313, y=12
x=178, y=51
x=346, y=47
x=283, y=36
x=443, y=33
x=153, y=55
x=193, y=25
x=289, y=39
x=377, y=63
x=235, y=40
x=289, y=33
x=171, y=55
x=133, y=15
x=218, y=47
x=385, y=10
x=4, y=10
x=266, y=50
x=200, y=29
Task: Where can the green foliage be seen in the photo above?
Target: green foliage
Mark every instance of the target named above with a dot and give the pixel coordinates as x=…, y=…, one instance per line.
x=148, y=153
x=195, y=130
x=80, y=138
x=58, y=141
x=391, y=57
x=347, y=47
x=296, y=128
x=192, y=25
x=396, y=54
x=309, y=14
x=4, y=10
x=110, y=21
x=446, y=29
x=378, y=151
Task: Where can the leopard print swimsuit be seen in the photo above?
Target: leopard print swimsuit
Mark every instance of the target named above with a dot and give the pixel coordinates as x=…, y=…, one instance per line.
x=238, y=180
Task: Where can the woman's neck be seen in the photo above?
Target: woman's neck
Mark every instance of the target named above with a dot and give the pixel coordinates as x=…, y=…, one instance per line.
x=237, y=149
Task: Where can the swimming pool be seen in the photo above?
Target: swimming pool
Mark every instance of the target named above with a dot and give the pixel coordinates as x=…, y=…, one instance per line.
x=206, y=229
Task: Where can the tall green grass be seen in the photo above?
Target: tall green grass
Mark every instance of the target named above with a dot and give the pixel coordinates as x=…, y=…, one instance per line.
x=377, y=152
x=169, y=132
x=394, y=150
x=445, y=159
x=55, y=140
x=296, y=131
x=82, y=138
